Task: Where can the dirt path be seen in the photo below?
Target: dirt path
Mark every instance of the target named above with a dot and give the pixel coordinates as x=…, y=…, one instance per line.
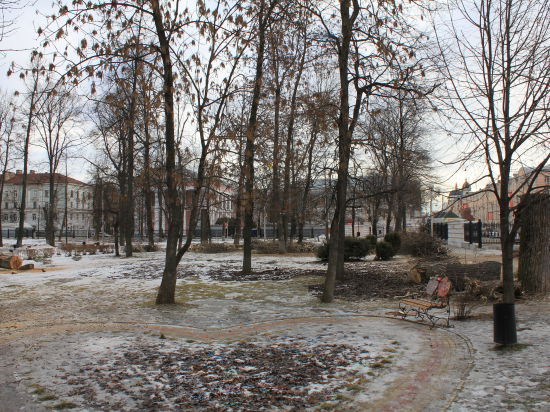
x=426, y=377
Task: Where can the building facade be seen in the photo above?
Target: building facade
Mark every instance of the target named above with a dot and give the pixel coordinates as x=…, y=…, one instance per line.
x=73, y=197
x=483, y=205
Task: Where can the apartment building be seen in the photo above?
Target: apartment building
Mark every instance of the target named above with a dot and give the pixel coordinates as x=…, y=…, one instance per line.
x=482, y=204
x=72, y=195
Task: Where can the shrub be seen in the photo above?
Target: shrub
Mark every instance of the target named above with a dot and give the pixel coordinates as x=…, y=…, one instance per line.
x=322, y=251
x=212, y=247
x=394, y=239
x=304, y=247
x=354, y=248
x=372, y=239
x=422, y=245
x=384, y=250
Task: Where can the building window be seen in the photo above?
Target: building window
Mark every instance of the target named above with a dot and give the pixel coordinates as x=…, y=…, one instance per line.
x=72, y=195
x=46, y=193
x=6, y=205
x=34, y=205
x=5, y=218
x=547, y=179
x=34, y=216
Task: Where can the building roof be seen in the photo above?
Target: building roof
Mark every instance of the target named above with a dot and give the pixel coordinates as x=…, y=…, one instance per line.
x=40, y=178
x=445, y=214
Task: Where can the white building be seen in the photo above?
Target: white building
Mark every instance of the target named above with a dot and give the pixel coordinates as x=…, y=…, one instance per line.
x=78, y=198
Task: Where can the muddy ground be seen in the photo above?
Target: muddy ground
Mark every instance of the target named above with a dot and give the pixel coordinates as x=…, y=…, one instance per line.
x=86, y=335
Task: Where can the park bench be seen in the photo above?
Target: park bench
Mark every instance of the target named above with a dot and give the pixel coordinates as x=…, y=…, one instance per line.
x=433, y=307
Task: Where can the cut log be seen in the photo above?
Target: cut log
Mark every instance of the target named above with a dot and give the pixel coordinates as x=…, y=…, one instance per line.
x=418, y=275
x=28, y=266
x=10, y=262
x=457, y=272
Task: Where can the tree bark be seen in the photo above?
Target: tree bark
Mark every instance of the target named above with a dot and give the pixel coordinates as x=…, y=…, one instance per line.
x=264, y=16
x=22, y=206
x=534, y=252
x=167, y=289
x=335, y=260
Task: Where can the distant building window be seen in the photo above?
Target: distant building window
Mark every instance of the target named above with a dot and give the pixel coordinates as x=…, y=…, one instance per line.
x=72, y=195
x=547, y=179
x=5, y=218
x=34, y=216
x=6, y=205
x=46, y=193
x=34, y=205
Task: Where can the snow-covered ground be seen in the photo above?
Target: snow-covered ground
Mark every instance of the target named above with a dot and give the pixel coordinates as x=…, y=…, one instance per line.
x=87, y=332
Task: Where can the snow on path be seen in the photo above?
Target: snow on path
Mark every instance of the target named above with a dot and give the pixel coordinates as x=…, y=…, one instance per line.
x=116, y=292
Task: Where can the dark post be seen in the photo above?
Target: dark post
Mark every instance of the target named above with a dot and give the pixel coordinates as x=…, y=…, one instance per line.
x=479, y=242
x=470, y=232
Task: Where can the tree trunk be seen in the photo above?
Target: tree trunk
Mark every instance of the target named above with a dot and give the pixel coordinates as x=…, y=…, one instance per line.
x=50, y=213
x=205, y=226
x=534, y=252
x=22, y=206
x=2, y=181
x=149, y=198
x=161, y=224
x=117, y=237
x=264, y=17
x=167, y=289
x=336, y=259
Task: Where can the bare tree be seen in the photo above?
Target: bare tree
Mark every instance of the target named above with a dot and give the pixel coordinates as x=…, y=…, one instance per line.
x=54, y=125
x=264, y=20
x=7, y=123
x=375, y=47
x=498, y=70
x=36, y=77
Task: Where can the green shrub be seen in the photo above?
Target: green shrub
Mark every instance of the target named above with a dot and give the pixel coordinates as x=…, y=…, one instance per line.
x=354, y=248
x=384, y=250
x=394, y=239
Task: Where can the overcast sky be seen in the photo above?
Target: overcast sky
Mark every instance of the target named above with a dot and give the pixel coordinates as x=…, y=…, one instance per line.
x=17, y=48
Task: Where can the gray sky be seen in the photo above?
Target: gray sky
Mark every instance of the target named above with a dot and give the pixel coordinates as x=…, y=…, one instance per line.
x=17, y=48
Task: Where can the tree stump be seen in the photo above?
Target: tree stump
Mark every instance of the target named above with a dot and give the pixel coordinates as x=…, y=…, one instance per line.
x=458, y=272
x=10, y=262
x=534, y=247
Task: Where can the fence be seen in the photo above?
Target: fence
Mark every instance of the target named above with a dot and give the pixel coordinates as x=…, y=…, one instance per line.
x=472, y=233
x=216, y=232
x=441, y=230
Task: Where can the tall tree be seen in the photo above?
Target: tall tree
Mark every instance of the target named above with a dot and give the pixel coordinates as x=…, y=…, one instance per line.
x=35, y=75
x=375, y=48
x=7, y=123
x=54, y=123
x=264, y=19
x=498, y=70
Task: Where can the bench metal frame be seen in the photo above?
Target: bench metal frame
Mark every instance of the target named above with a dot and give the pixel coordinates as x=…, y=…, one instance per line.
x=434, y=308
